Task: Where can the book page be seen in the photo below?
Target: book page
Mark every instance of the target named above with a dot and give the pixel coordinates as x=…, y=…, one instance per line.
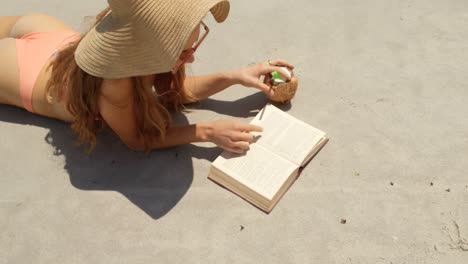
x=258, y=169
x=285, y=135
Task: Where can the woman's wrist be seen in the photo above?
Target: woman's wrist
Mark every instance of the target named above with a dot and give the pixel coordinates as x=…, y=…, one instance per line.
x=233, y=76
x=203, y=131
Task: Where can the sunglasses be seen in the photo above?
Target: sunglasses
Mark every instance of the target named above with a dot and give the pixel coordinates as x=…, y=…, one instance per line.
x=186, y=54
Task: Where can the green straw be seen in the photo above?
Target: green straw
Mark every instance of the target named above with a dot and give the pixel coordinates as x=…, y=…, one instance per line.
x=276, y=75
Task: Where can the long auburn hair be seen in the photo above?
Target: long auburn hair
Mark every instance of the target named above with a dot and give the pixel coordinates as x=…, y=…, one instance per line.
x=83, y=91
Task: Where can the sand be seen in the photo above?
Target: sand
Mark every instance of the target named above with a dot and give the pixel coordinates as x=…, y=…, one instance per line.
x=385, y=79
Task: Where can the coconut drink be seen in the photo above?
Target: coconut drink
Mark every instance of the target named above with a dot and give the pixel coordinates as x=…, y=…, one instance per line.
x=284, y=90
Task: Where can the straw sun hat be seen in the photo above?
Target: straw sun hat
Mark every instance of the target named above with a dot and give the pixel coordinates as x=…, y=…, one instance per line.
x=143, y=37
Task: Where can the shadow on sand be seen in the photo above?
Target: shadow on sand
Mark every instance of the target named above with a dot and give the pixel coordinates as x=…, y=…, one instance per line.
x=155, y=182
x=245, y=107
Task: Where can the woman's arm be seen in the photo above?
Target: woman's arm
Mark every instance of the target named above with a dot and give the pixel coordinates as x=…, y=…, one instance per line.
x=232, y=135
x=117, y=108
x=201, y=87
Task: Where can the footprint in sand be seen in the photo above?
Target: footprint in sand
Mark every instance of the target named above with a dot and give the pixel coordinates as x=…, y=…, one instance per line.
x=457, y=242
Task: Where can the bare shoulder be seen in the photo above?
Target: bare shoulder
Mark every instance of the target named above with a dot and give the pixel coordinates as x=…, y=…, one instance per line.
x=118, y=92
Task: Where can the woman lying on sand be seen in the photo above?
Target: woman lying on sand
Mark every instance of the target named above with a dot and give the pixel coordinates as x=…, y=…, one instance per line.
x=106, y=77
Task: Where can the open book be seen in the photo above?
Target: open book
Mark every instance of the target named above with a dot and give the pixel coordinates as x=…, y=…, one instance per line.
x=264, y=173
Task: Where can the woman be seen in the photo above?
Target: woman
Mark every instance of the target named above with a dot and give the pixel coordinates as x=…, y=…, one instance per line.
x=106, y=77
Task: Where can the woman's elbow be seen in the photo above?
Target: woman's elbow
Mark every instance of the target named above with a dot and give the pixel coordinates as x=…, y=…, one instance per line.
x=138, y=148
x=138, y=145
x=134, y=144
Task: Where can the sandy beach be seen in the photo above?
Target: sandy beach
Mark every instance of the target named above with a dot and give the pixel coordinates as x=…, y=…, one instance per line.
x=387, y=81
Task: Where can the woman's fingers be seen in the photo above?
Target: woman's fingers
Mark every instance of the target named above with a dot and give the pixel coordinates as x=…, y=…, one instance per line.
x=243, y=136
x=240, y=145
x=233, y=135
x=275, y=65
x=269, y=69
x=236, y=150
x=281, y=71
x=237, y=146
x=246, y=127
x=240, y=140
x=281, y=62
x=265, y=88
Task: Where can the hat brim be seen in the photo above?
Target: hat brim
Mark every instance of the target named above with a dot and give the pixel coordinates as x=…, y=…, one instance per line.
x=112, y=49
x=220, y=11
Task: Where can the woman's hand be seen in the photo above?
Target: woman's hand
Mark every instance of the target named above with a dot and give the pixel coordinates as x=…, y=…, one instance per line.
x=231, y=135
x=249, y=76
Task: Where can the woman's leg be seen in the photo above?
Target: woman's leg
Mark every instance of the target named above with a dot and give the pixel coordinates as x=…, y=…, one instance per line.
x=9, y=79
x=17, y=26
x=36, y=23
x=6, y=24
x=10, y=29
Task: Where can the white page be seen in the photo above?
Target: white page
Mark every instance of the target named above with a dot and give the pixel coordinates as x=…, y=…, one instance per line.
x=285, y=135
x=260, y=170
